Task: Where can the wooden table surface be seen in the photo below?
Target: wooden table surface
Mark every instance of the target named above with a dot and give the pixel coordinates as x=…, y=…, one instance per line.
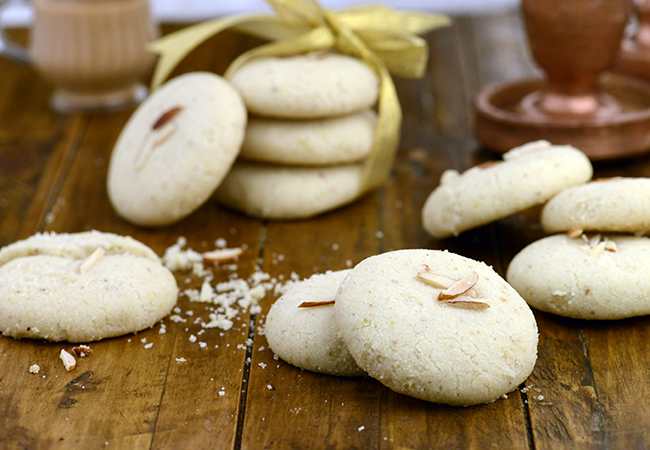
x=589, y=388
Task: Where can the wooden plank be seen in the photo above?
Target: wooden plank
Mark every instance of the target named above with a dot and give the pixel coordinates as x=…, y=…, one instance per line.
x=561, y=393
x=322, y=411
x=46, y=202
x=573, y=398
x=156, y=375
x=27, y=141
x=290, y=408
x=619, y=355
x=112, y=396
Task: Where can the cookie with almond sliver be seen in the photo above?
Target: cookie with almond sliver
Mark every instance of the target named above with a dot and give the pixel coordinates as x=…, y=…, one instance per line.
x=82, y=287
x=436, y=326
x=529, y=175
x=589, y=276
x=175, y=150
x=301, y=329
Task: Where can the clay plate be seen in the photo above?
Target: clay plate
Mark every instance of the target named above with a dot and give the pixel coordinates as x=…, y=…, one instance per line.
x=633, y=59
x=500, y=125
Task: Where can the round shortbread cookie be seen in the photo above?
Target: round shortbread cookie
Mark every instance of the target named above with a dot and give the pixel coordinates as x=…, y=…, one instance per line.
x=272, y=191
x=620, y=205
x=75, y=245
x=313, y=142
x=308, y=86
x=470, y=349
x=64, y=290
x=604, y=277
x=175, y=149
x=528, y=176
x=307, y=337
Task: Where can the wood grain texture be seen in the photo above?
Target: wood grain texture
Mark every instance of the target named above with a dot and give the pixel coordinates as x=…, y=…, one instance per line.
x=191, y=387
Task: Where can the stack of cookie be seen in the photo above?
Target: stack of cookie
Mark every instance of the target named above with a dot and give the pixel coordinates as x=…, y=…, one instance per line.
x=311, y=125
x=425, y=323
x=596, y=266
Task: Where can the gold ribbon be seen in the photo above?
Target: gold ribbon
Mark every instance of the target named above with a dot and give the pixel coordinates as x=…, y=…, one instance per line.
x=386, y=40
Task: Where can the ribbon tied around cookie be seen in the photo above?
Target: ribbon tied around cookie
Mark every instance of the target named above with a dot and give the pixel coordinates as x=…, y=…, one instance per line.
x=386, y=40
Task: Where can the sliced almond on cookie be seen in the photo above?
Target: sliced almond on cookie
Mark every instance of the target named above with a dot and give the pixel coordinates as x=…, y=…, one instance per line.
x=436, y=280
x=91, y=259
x=468, y=304
x=315, y=304
x=459, y=287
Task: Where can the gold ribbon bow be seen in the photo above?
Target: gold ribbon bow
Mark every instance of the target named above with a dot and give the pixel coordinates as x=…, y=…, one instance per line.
x=384, y=39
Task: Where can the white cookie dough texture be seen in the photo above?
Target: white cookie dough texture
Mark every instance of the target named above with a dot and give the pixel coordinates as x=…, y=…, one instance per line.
x=609, y=205
x=398, y=330
x=336, y=140
x=175, y=149
x=601, y=277
x=82, y=287
x=273, y=191
x=307, y=337
x=528, y=176
x=308, y=86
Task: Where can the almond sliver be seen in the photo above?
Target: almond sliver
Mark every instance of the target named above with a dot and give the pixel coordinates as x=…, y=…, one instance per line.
x=91, y=259
x=459, y=287
x=314, y=304
x=468, y=304
x=224, y=254
x=436, y=280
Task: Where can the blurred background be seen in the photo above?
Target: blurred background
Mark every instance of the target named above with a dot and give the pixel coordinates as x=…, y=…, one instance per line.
x=18, y=12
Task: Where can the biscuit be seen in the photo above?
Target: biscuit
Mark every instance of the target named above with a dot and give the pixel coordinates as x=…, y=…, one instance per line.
x=472, y=348
x=307, y=336
x=611, y=205
x=273, y=191
x=307, y=86
x=329, y=141
x=75, y=245
x=604, y=277
x=528, y=176
x=175, y=149
x=62, y=287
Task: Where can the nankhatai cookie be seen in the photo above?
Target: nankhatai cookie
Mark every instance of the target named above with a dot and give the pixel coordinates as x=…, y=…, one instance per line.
x=591, y=276
x=528, y=176
x=75, y=245
x=306, y=86
x=336, y=140
x=81, y=287
x=273, y=191
x=175, y=149
x=437, y=326
x=301, y=329
x=610, y=205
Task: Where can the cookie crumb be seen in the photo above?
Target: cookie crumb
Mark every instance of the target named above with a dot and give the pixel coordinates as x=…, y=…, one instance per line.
x=82, y=350
x=34, y=368
x=68, y=360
